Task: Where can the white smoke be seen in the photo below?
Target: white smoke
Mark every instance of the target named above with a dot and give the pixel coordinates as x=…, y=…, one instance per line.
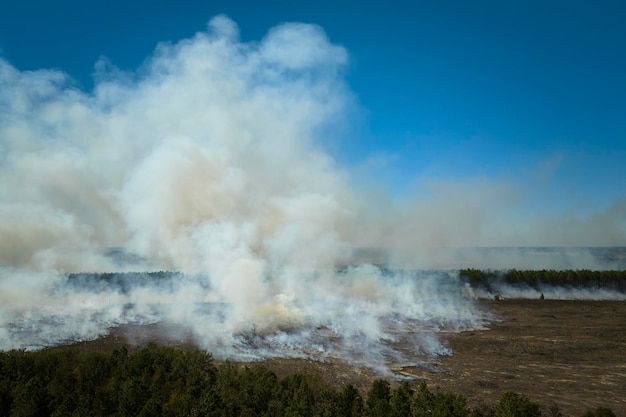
x=209, y=161
x=216, y=136
x=206, y=161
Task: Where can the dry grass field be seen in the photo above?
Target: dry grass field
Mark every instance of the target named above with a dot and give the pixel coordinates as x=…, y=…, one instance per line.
x=568, y=353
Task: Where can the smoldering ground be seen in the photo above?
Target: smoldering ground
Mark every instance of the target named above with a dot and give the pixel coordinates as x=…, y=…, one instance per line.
x=359, y=315
x=211, y=160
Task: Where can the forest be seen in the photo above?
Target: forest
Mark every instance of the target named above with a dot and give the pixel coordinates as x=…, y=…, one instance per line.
x=477, y=278
x=164, y=381
x=584, y=278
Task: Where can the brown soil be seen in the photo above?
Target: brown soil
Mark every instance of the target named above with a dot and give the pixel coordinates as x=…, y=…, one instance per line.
x=569, y=354
x=566, y=353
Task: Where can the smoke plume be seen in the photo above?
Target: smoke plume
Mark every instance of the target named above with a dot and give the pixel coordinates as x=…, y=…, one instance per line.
x=209, y=160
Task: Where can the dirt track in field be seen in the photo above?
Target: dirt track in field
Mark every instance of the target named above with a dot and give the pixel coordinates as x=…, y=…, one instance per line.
x=571, y=354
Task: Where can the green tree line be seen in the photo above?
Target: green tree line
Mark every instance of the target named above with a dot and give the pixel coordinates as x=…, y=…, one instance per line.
x=582, y=278
x=163, y=381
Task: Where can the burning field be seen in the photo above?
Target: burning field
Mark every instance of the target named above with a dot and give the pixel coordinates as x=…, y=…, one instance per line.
x=214, y=160
x=565, y=354
x=364, y=315
x=357, y=324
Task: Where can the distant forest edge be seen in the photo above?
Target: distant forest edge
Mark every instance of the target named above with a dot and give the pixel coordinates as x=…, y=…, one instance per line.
x=490, y=281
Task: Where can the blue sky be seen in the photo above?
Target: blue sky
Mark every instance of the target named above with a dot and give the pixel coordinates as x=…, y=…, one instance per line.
x=531, y=93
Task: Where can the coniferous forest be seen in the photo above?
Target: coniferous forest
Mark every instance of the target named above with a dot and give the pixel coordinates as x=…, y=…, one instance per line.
x=163, y=381
x=614, y=280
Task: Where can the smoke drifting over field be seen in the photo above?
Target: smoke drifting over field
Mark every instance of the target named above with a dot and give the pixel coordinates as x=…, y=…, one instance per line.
x=208, y=161
x=362, y=315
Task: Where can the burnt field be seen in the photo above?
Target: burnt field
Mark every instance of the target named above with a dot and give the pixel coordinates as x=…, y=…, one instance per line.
x=569, y=354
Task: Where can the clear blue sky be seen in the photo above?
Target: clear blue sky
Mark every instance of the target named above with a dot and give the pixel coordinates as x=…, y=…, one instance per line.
x=532, y=92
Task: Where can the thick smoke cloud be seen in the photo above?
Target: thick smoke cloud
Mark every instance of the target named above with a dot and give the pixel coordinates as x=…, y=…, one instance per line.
x=213, y=141
x=208, y=161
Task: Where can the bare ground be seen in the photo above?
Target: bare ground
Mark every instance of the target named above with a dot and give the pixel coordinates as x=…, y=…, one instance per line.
x=568, y=354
